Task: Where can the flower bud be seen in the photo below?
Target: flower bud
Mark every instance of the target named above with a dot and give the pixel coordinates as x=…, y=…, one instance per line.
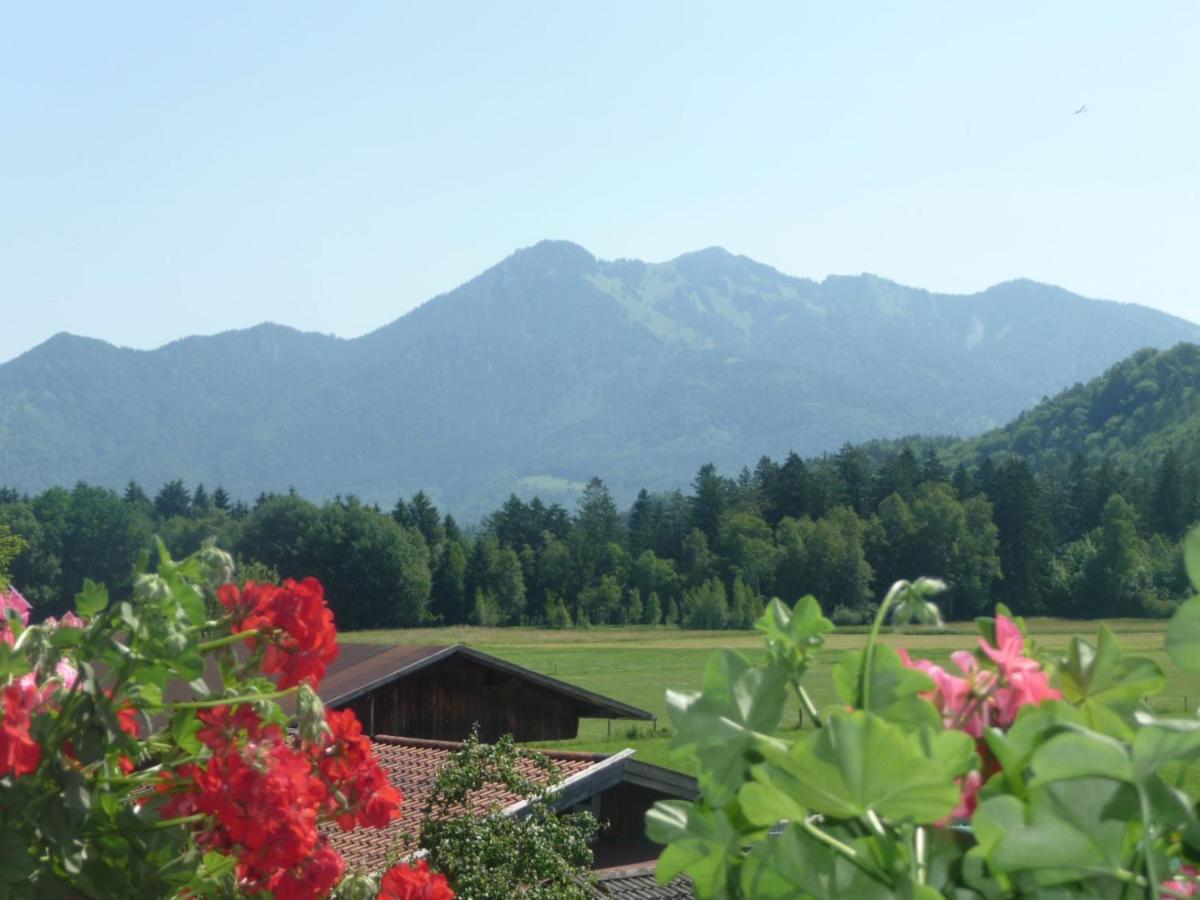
x=357, y=886
x=151, y=588
x=216, y=565
x=310, y=715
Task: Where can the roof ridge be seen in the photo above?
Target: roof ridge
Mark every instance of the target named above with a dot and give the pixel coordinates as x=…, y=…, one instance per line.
x=398, y=740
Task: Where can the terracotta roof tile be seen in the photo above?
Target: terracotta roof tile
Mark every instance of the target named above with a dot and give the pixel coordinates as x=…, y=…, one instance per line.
x=412, y=766
x=638, y=883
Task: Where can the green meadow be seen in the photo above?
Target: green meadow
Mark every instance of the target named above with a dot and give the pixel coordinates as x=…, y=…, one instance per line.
x=638, y=665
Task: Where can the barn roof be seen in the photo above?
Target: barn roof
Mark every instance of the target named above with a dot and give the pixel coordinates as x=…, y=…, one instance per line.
x=361, y=668
x=412, y=766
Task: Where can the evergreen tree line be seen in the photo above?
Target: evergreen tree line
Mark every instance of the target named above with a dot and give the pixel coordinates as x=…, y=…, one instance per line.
x=1097, y=541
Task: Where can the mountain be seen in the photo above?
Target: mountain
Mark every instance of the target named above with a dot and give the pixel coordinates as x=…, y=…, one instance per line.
x=1135, y=413
x=554, y=366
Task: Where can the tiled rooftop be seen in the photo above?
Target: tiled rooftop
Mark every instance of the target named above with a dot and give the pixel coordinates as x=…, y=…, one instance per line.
x=412, y=766
x=638, y=883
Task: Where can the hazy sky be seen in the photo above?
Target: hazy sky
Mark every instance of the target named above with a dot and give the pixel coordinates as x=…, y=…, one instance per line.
x=170, y=169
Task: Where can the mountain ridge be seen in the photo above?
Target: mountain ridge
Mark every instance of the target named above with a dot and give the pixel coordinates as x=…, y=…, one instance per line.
x=552, y=366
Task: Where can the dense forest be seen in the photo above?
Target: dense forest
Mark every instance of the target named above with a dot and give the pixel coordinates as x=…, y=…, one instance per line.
x=1091, y=534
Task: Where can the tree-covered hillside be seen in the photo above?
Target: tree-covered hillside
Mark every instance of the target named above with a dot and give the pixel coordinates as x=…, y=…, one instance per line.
x=1141, y=409
x=554, y=366
x=1076, y=509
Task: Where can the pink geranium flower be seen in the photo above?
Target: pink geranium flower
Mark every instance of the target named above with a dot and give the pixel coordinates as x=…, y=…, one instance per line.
x=69, y=620
x=1188, y=884
x=12, y=601
x=1009, y=652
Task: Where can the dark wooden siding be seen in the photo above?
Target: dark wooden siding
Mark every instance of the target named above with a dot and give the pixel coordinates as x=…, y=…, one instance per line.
x=622, y=810
x=443, y=700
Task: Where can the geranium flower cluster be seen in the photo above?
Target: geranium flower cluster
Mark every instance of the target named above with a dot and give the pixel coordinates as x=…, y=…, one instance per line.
x=406, y=882
x=263, y=800
x=985, y=697
x=224, y=773
x=19, y=753
x=291, y=621
x=262, y=794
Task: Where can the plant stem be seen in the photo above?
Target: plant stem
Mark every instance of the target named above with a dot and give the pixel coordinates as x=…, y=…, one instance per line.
x=869, y=654
x=921, y=852
x=809, y=707
x=226, y=640
x=181, y=820
x=1147, y=824
x=228, y=701
x=844, y=849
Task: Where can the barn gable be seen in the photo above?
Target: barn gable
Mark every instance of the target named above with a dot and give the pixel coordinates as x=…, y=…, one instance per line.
x=439, y=693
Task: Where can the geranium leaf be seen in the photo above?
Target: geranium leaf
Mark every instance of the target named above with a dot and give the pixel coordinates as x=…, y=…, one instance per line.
x=1160, y=741
x=795, y=864
x=1106, y=685
x=1072, y=829
x=1183, y=636
x=793, y=635
x=701, y=842
x=1191, y=557
x=895, y=688
x=859, y=763
x=92, y=600
x=1080, y=754
x=720, y=724
x=765, y=804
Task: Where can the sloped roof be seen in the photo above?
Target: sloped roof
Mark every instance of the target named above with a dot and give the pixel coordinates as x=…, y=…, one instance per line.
x=412, y=766
x=361, y=668
x=638, y=883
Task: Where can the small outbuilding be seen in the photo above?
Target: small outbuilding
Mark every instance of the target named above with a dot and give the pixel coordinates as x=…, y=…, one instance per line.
x=617, y=789
x=440, y=692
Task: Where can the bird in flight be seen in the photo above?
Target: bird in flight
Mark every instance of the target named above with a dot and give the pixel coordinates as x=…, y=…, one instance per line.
x=1081, y=109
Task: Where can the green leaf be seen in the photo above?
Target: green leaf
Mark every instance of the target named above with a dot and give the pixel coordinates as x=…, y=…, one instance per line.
x=16, y=862
x=92, y=600
x=859, y=763
x=1072, y=829
x=795, y=864
x=766, y=804
x=184, y=727
x=1080, y=754
x=1183, y=636
x=189, y=666
x=700, y=841
x=720, y=725
x=1106, y=685
x=993, y=820
x=895, y=688
x=12, y=661
x=793, y=635
x=1014, y=748
x=1191, y=557
x=1160, y=741
x=953, y=750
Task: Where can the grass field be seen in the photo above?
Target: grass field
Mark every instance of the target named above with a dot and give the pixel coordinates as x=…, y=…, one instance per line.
x=637, y=665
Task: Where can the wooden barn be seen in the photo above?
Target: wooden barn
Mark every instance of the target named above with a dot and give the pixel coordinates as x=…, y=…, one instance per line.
x=439, y=693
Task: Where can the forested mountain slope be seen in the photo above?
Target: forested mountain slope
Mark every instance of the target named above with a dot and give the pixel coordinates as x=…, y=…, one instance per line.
x=1135, y=413
x=554, y=366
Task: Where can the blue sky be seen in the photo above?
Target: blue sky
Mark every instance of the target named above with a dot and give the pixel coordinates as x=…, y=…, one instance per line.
x=170, y=169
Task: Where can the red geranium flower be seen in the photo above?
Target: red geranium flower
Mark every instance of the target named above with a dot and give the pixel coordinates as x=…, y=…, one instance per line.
x=405, y=882
x=294, y=623
x=313, y=877
x=19, y=753
x=346, y=763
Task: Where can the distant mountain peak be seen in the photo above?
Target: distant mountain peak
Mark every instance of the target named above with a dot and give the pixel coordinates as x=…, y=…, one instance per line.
x=551, y=367
x=553, y=253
